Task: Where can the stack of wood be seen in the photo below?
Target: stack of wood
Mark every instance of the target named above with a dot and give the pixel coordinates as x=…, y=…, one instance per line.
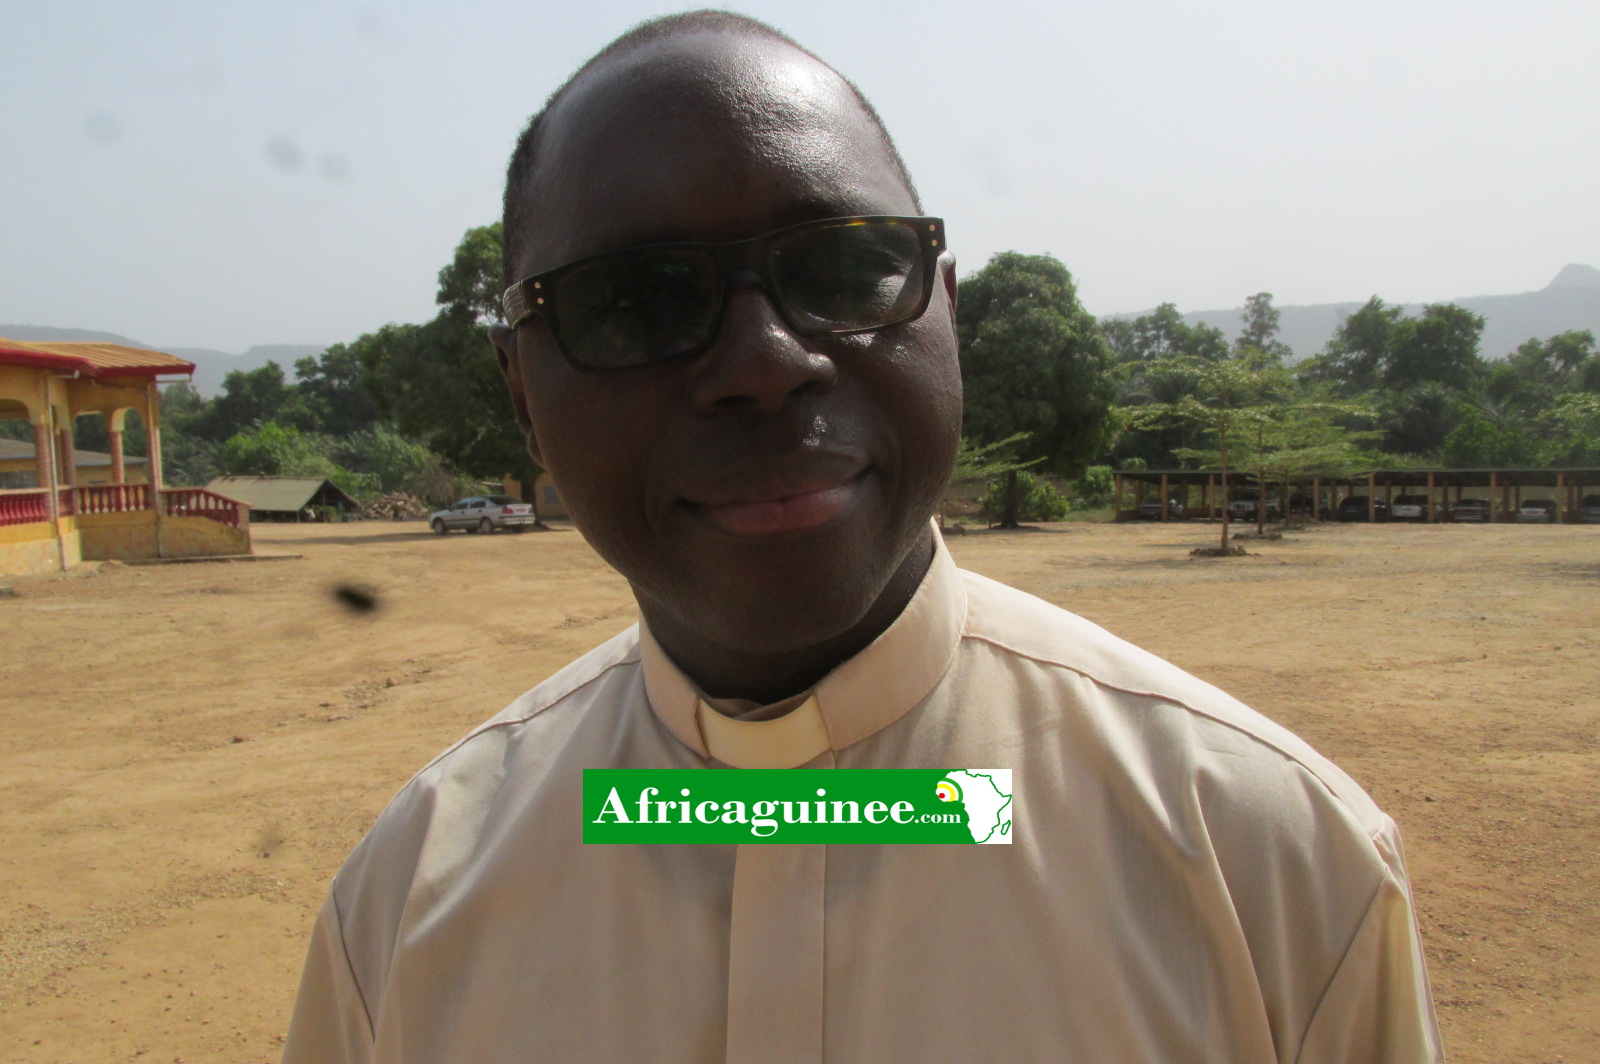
x=396, y=506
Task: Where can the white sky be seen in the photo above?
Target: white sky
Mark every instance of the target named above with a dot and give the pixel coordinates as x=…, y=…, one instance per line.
x=228, y=174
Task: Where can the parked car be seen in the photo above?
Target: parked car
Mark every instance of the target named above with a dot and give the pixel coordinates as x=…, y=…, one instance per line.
x=1354, y=508
x=1589, y=510
x=1476, y=510
x=485, y=513
x=1409, y=508
x=1150, y=509
x=1243, y=506
x=1537, y=512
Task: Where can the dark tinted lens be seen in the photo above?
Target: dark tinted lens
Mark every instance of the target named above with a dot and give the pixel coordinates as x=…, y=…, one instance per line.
x=849, y=276
x=637, y=306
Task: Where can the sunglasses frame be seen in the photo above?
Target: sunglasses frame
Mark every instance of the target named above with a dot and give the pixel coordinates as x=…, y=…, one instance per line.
x=527, y=297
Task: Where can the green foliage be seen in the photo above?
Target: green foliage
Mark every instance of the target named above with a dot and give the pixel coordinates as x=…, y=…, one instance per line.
x=1033, y=361
x=1440, y=346
x=1161, y=335
x=471, y=282
x=330, y=395
x=1037, y=498
x=441, y=386
x=1095, y=487
x=985, y=461
x=278, y=450
x=1260, y=319
x=248, y=398
x=1479, y=442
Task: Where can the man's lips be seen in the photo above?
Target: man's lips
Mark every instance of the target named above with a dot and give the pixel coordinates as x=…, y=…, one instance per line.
x=787, y=504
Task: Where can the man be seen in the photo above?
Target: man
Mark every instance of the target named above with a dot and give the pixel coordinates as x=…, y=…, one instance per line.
x=754, y=425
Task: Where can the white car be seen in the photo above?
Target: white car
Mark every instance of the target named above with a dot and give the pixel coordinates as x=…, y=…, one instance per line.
x=485, y=513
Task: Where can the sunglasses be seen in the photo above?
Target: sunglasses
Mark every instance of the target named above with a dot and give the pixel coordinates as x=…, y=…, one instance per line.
x=639, y=306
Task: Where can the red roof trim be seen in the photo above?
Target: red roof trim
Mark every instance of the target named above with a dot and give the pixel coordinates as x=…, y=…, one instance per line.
x=59, y=363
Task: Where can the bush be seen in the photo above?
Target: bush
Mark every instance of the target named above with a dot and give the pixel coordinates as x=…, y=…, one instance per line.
x=1094, y=488
x=1038, y=499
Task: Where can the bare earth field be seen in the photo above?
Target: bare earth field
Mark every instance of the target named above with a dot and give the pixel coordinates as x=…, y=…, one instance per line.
x=187, y=752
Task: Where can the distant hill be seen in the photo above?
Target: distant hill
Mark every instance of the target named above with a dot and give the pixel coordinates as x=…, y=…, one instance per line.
x=1570, y=301
x=210, y=366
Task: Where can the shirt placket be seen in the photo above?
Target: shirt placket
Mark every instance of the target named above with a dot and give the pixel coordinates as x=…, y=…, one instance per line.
x=775, y=955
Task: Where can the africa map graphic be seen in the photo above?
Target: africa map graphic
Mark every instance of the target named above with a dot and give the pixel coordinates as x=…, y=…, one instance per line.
x=986, y=793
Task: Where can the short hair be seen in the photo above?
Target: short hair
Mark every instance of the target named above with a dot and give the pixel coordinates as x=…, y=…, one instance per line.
x=518, y=210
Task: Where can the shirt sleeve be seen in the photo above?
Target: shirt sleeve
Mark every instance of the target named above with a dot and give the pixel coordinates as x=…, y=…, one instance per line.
x=330, y=1023
x=1378, y=1007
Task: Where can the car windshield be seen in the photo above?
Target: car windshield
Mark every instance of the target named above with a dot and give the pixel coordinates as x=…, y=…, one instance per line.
x=502, y=500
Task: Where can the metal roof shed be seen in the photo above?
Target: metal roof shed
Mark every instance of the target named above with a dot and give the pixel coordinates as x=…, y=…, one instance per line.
x=282, y=498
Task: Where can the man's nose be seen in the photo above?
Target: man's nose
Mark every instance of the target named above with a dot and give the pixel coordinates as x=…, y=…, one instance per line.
x=757, y=362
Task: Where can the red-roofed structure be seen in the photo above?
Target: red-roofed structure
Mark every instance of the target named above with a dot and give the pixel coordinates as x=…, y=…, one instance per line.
x=59, y=522
x=97, y=361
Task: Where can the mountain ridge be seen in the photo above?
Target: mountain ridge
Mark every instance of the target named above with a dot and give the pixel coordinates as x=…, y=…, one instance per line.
x=210, y=365
x=1570, y=301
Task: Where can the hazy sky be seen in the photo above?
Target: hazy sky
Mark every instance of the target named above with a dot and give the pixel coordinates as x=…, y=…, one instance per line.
x=228, y=174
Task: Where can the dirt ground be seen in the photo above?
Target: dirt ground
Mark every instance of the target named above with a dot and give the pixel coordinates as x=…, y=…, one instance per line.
x=187, y=752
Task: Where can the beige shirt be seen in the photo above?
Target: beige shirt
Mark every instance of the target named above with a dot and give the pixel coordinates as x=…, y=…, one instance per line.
x=1188, y=881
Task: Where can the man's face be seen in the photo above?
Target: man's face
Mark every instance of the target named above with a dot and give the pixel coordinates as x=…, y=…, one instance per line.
x=761, y=494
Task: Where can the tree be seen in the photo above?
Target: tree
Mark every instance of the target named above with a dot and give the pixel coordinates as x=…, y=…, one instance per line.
x=329, y=395
x=281, y=450
x=248, y=398
x=471, y=282
x=1260, y=319
x=1357, y=355
x=1416, y=420
x=1441, y=345
x=1033, y=361
x=1162, y=334
x=1232, y=398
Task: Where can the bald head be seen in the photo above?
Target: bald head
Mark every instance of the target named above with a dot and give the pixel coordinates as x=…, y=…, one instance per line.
x=709, y=85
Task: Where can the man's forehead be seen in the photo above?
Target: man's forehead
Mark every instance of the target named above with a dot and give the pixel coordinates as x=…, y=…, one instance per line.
x=649, y=145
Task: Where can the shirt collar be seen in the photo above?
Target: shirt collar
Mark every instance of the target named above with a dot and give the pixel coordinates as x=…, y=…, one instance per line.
x=862, y=696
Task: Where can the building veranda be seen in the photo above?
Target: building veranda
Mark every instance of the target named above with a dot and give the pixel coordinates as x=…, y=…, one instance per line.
x=1199, y=492
x=67, y=516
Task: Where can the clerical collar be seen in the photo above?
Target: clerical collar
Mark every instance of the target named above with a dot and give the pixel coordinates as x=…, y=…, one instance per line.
x=863, y=695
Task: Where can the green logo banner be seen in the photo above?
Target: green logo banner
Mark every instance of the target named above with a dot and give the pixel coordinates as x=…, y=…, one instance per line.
x=834, y=806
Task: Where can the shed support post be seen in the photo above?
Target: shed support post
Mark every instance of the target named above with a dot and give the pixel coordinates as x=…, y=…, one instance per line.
x=1429, y=518
x=1372, y=498
x=1163, y=496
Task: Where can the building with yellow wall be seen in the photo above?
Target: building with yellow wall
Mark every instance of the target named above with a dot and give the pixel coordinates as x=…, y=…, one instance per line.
x=77, y=510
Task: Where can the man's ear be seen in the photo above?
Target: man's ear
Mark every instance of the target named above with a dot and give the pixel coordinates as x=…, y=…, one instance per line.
x=504, y=338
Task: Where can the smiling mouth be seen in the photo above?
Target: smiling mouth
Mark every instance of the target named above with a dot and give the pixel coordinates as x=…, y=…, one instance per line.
x=798, y=512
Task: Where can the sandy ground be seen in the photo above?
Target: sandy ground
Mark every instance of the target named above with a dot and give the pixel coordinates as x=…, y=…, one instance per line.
x=187, y=752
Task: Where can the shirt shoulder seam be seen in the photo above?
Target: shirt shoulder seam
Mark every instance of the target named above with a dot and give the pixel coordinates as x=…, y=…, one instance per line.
x=350, y=968
x=551, y=703
x=1174, y=700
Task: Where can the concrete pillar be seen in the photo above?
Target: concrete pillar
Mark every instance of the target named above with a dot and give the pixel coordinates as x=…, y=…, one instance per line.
x=152, y=424
x=69, y=457
x=117, y=471
x=44, y=469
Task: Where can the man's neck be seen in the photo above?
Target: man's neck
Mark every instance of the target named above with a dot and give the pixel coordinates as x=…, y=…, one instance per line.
x=724, y=672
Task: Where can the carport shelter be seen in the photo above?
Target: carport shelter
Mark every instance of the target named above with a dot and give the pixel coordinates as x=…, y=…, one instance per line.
x=284, y=498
